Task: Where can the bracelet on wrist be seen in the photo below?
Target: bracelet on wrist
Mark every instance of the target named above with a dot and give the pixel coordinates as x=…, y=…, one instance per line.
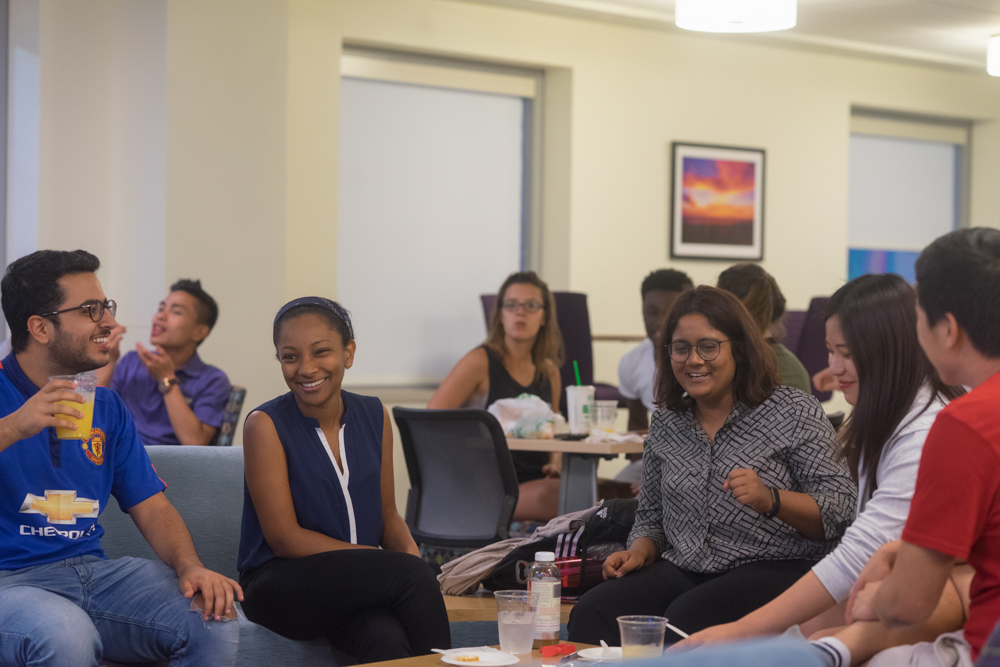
x=775, y=504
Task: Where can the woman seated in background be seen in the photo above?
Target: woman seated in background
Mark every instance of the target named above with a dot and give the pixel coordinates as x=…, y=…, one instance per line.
x=759, y=292
x=319, y=503
x=522, y=355
x=877, y=361
x=741, y=490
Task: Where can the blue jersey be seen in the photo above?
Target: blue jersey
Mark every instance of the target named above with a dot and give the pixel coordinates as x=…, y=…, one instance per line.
x=52, y=491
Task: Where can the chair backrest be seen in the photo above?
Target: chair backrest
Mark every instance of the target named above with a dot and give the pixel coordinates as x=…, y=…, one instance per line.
x=205, y=485
x=573, y=317
x=463, y=486
x=794, y=319
x=224, y=436
x=811, y=349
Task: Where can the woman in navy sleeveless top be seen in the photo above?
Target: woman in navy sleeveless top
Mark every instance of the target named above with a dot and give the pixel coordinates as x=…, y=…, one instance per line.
x=522, y=355
x=323, y=551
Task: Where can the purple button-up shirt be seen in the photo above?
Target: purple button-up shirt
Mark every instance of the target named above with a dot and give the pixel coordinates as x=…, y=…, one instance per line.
x=205, y=389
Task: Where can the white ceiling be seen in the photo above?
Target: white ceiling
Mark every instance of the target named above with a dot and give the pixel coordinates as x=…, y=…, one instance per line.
x=950, y=32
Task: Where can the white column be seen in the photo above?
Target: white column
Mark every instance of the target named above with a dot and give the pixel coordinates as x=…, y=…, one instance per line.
x=102, y=148
x=22, y=129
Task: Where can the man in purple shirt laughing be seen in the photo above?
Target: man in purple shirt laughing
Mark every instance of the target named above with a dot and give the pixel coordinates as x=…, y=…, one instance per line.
x=174, y=397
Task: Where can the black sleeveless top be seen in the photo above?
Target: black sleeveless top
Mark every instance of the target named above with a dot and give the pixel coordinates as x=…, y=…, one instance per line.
x=527, y=464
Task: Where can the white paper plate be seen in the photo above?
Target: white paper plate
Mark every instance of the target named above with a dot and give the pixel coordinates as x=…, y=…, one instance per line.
x=491, y=658
x=597, y=653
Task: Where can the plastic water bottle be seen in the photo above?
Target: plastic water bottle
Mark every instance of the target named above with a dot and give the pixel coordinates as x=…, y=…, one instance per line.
x=545, y=586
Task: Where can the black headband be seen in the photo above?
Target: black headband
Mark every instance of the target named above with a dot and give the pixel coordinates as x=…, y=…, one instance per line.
x=325, y=304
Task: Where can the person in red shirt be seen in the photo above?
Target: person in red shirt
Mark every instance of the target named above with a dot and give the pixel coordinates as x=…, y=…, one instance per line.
x=955, y=512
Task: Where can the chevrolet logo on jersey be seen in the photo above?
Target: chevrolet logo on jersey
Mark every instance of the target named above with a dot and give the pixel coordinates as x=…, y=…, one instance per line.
x=61, y=506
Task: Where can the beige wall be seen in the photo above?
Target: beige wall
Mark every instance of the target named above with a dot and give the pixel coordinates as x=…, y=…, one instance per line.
x=162, y=149
x=208, y=147
x=102, y=144
x=636, y=90
x=227, y=65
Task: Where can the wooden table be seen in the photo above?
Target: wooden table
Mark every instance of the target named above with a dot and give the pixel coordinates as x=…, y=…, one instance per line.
x=484, y=608
x=434, y=660
x=578, y=477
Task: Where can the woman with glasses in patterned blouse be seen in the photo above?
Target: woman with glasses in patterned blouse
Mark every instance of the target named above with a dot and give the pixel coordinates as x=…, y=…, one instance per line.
x=871, y=335
x=522, y=355
x=742, y=491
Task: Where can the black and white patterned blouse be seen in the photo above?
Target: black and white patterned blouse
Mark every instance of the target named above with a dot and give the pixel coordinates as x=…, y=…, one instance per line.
x=787, y=440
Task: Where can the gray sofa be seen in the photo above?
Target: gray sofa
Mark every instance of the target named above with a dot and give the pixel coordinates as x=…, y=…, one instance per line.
x=205, y=484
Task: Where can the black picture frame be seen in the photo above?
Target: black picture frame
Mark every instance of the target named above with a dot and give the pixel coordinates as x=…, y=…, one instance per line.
x=716, y=202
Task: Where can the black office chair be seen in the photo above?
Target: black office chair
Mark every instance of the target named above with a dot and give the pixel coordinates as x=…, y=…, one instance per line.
x=463, y=487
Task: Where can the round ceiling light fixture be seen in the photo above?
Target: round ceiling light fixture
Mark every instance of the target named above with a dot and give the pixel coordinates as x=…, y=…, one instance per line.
x=993, y=56
x=735, y=15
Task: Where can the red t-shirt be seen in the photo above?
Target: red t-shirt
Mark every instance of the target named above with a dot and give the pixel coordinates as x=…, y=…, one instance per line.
x=956, y=503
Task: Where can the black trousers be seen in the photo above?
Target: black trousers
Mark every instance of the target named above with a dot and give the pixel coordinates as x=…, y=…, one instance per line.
x=692, y=601
x=372, y=604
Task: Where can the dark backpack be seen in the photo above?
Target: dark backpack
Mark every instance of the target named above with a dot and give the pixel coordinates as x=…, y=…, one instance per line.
x=580, y=554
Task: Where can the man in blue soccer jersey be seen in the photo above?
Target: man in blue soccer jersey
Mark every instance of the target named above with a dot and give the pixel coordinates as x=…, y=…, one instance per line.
x=61, y=601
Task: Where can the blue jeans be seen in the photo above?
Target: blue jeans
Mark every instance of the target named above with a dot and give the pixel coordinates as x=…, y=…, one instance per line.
x=989, y=655
x=76, y=611
x=765, y=652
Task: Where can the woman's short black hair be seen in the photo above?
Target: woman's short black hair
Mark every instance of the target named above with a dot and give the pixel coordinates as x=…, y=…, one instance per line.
x=30, y=286
x=336, y=316
x=959, y=273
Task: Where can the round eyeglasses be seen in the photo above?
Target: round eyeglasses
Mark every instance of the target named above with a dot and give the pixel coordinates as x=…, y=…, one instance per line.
x=94, y=308
x=530, y=306
x=708, y=349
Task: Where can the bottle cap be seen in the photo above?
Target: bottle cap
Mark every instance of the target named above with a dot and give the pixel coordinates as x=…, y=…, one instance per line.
x=545, y=556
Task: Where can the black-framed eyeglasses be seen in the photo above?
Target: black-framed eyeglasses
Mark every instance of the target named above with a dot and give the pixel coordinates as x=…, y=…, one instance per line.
x=530, y=306
x=94, y=308
x=708, y=349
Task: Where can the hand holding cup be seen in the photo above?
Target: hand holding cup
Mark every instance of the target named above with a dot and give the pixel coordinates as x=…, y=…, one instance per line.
x=49, y=408
x=78, y=421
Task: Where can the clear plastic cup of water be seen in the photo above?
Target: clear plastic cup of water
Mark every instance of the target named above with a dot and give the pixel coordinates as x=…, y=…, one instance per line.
x=605, y=415
x=516, y=621
x=642, y=636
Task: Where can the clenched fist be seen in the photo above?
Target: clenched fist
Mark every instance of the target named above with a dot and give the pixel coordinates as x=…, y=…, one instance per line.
x=749, y=490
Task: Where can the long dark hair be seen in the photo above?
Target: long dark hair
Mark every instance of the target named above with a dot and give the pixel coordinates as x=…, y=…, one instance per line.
x=756, y=366
x=878, y=318
x=548, y=343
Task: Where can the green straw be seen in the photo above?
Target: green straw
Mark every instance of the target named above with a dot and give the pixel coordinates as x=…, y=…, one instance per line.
x=576, y=370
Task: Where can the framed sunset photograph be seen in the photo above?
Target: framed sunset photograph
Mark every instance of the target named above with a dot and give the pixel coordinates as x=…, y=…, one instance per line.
x=717, y=202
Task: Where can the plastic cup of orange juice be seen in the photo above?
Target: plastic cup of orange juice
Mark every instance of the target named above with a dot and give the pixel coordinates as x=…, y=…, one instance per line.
x=86, y=386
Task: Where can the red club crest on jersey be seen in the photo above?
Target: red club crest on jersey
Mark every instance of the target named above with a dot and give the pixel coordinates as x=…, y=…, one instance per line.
x=94, y=448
